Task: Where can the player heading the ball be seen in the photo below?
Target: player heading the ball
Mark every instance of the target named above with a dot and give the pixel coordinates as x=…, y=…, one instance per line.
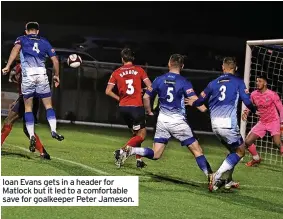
x=33, y=51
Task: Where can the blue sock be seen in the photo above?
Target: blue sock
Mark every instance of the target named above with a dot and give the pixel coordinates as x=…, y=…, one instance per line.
x=229, y=163
x=50, y=114
x=29, y=119
x=233, y=159
x=144, y=152
x=203, y=164
x=149, y=153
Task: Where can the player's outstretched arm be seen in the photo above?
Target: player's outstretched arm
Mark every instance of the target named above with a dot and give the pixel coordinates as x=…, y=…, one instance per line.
x=55, y=62
x=245, y=114
x=279, y=106
x=198, y=101
x=191, y=101
x=146, y=103
x=145, y=78
x=14, y=53
x=150, y=93
x=245, y=97
x=147, y=83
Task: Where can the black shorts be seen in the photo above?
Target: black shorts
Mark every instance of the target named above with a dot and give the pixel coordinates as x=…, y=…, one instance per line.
x=133, y=116
x=19, y=106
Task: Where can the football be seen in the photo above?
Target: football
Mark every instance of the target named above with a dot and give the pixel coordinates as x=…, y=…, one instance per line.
x=74, y=61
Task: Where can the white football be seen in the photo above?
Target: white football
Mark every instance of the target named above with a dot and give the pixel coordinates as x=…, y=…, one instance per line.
x=74, y=61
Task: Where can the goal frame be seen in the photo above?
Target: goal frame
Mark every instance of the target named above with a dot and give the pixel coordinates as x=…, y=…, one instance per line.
x=248, y=57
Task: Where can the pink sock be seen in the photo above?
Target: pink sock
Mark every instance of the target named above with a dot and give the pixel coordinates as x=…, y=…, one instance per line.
x=252, y=150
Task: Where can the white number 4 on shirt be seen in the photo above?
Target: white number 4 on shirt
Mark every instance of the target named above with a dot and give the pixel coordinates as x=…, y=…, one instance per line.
x=35, y=48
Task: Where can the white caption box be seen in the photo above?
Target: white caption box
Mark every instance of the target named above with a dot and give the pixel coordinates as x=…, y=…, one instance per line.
x=69, y=190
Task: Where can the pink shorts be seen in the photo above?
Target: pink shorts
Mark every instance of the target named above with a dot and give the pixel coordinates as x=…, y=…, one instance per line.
x=260, y=128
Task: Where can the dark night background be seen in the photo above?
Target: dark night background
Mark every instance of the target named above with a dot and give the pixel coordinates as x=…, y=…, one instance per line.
x=248, y=19
x=203, y=31
x=169, y=21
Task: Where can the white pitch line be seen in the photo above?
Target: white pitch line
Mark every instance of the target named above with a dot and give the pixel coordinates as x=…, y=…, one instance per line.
x=105, y=173
x=241, y=186
x=68, y=161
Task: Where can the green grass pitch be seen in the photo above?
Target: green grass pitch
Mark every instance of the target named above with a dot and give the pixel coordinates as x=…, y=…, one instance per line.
x=172, y=187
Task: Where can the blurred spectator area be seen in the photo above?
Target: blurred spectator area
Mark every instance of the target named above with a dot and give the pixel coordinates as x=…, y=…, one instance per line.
x=148, y=50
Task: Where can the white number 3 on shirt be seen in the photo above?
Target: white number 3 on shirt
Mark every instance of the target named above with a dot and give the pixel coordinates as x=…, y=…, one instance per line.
x=222, y=90
x=130, y=89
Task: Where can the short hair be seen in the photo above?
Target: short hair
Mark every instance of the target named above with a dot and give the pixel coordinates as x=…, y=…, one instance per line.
x=32, y=26
x=262, y=76
x=127, y=55
x=177, y=60
x=230, y=62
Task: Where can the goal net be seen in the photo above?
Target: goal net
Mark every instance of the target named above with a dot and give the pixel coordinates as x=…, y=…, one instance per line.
x=264, y=56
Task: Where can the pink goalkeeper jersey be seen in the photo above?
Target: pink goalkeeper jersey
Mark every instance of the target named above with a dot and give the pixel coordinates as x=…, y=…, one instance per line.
x=268, y=104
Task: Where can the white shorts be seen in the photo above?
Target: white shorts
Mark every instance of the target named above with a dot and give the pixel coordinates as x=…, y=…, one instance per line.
x=36, y=85
x=173, y=125
x=229, y=137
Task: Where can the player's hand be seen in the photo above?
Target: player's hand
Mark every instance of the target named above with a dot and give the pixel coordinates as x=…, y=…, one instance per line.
x=189, y=101
x=245, y=115
x=149, y=89
x=150, y=114
x=56, y=80
x=6, y=70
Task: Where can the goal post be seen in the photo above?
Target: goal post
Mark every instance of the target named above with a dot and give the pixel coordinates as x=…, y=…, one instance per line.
x=263, y=56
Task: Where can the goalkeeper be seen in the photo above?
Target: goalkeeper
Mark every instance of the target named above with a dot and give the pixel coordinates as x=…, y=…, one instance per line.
x=271, y=118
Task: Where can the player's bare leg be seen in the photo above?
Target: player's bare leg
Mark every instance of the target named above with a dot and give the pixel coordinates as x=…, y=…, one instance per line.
x=8, y=123
x=140, y=162
x=251, y=138
x=201, y=160
x=153, y=154
x=135, y=141
x=158, y=149
x=277, y=139
x=50, y=114
x=29, y=118
x=142, y=133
